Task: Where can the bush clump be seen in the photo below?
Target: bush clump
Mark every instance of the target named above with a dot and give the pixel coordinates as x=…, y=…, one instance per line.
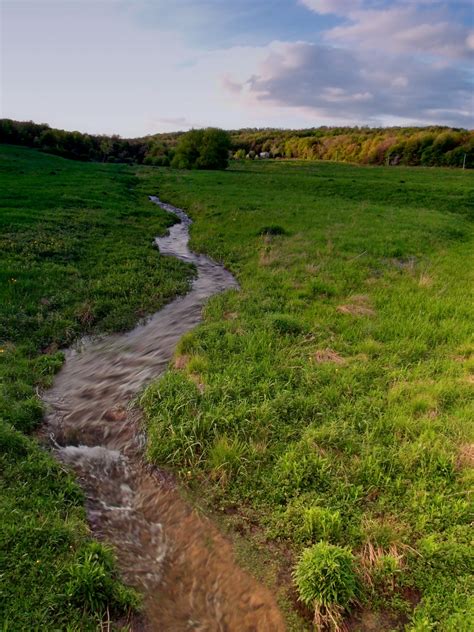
x=326, y=580
x=202, y=149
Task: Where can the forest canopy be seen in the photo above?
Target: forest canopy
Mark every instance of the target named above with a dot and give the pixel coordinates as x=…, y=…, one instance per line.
x=204, y=149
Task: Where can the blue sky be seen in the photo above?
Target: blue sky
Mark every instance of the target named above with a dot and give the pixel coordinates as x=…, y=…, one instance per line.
x=135, y=67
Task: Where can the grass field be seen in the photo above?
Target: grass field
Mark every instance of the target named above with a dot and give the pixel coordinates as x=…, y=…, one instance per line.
x=336, y=387
x=334, y=405
x=76, y=257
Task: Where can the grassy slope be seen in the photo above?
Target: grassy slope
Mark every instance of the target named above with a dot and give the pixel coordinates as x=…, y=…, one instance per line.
x=76, y=257
x=337, y=388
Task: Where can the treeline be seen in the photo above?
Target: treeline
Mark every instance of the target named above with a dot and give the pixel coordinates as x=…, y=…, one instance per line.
x=74, y=145
x=427, y=146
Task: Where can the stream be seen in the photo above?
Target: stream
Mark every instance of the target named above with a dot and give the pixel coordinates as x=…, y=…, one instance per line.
x=174, y=556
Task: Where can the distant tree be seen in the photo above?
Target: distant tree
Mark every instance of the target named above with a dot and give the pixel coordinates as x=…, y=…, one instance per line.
x=202, y=149
x=188, y=149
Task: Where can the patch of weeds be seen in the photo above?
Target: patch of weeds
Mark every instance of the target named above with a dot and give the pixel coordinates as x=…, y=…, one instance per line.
x=274, y=229
x=90, y=584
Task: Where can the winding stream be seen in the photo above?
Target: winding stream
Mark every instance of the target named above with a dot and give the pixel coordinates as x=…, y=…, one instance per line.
x=180, y=562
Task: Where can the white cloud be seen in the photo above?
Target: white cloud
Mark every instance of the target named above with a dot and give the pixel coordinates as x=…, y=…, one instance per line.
x=401, y=30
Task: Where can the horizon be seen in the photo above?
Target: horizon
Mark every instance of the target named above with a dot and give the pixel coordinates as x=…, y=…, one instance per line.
x=249, y=129
x=136, y=68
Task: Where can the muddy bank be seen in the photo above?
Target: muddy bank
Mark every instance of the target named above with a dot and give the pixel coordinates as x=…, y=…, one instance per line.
x=176, y=558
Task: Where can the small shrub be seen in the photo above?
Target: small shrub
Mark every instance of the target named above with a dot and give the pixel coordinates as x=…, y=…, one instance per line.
x=326, y=580
x=274, y=229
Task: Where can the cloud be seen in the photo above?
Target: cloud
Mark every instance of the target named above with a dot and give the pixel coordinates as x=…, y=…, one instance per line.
x=340, y=84
x=149, y=65
x=326, y=7
x=425, y=26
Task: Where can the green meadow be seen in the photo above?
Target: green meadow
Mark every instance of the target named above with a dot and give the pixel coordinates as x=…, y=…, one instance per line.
x=76, y=258
x=327, y=405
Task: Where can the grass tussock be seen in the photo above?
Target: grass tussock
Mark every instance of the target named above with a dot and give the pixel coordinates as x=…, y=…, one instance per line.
x=338, y=406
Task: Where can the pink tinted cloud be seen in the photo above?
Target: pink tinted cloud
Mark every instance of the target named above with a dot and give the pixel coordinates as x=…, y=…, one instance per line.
x=423, y=26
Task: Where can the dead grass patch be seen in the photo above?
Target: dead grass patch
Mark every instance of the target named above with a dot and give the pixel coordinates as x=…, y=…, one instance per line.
x=181, y=362
x=197, y=379
x=85, y=314
x=311, y=268
x=407, y=264
x=466, y=455
x=359, y=305
x=371, y=559
x=267, y=257
x=425, y=280
x=328, y=355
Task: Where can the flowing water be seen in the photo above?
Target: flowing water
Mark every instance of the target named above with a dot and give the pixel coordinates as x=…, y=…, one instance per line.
x=180, y=562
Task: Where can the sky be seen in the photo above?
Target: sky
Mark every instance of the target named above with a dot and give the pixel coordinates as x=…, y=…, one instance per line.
x=137, y=67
